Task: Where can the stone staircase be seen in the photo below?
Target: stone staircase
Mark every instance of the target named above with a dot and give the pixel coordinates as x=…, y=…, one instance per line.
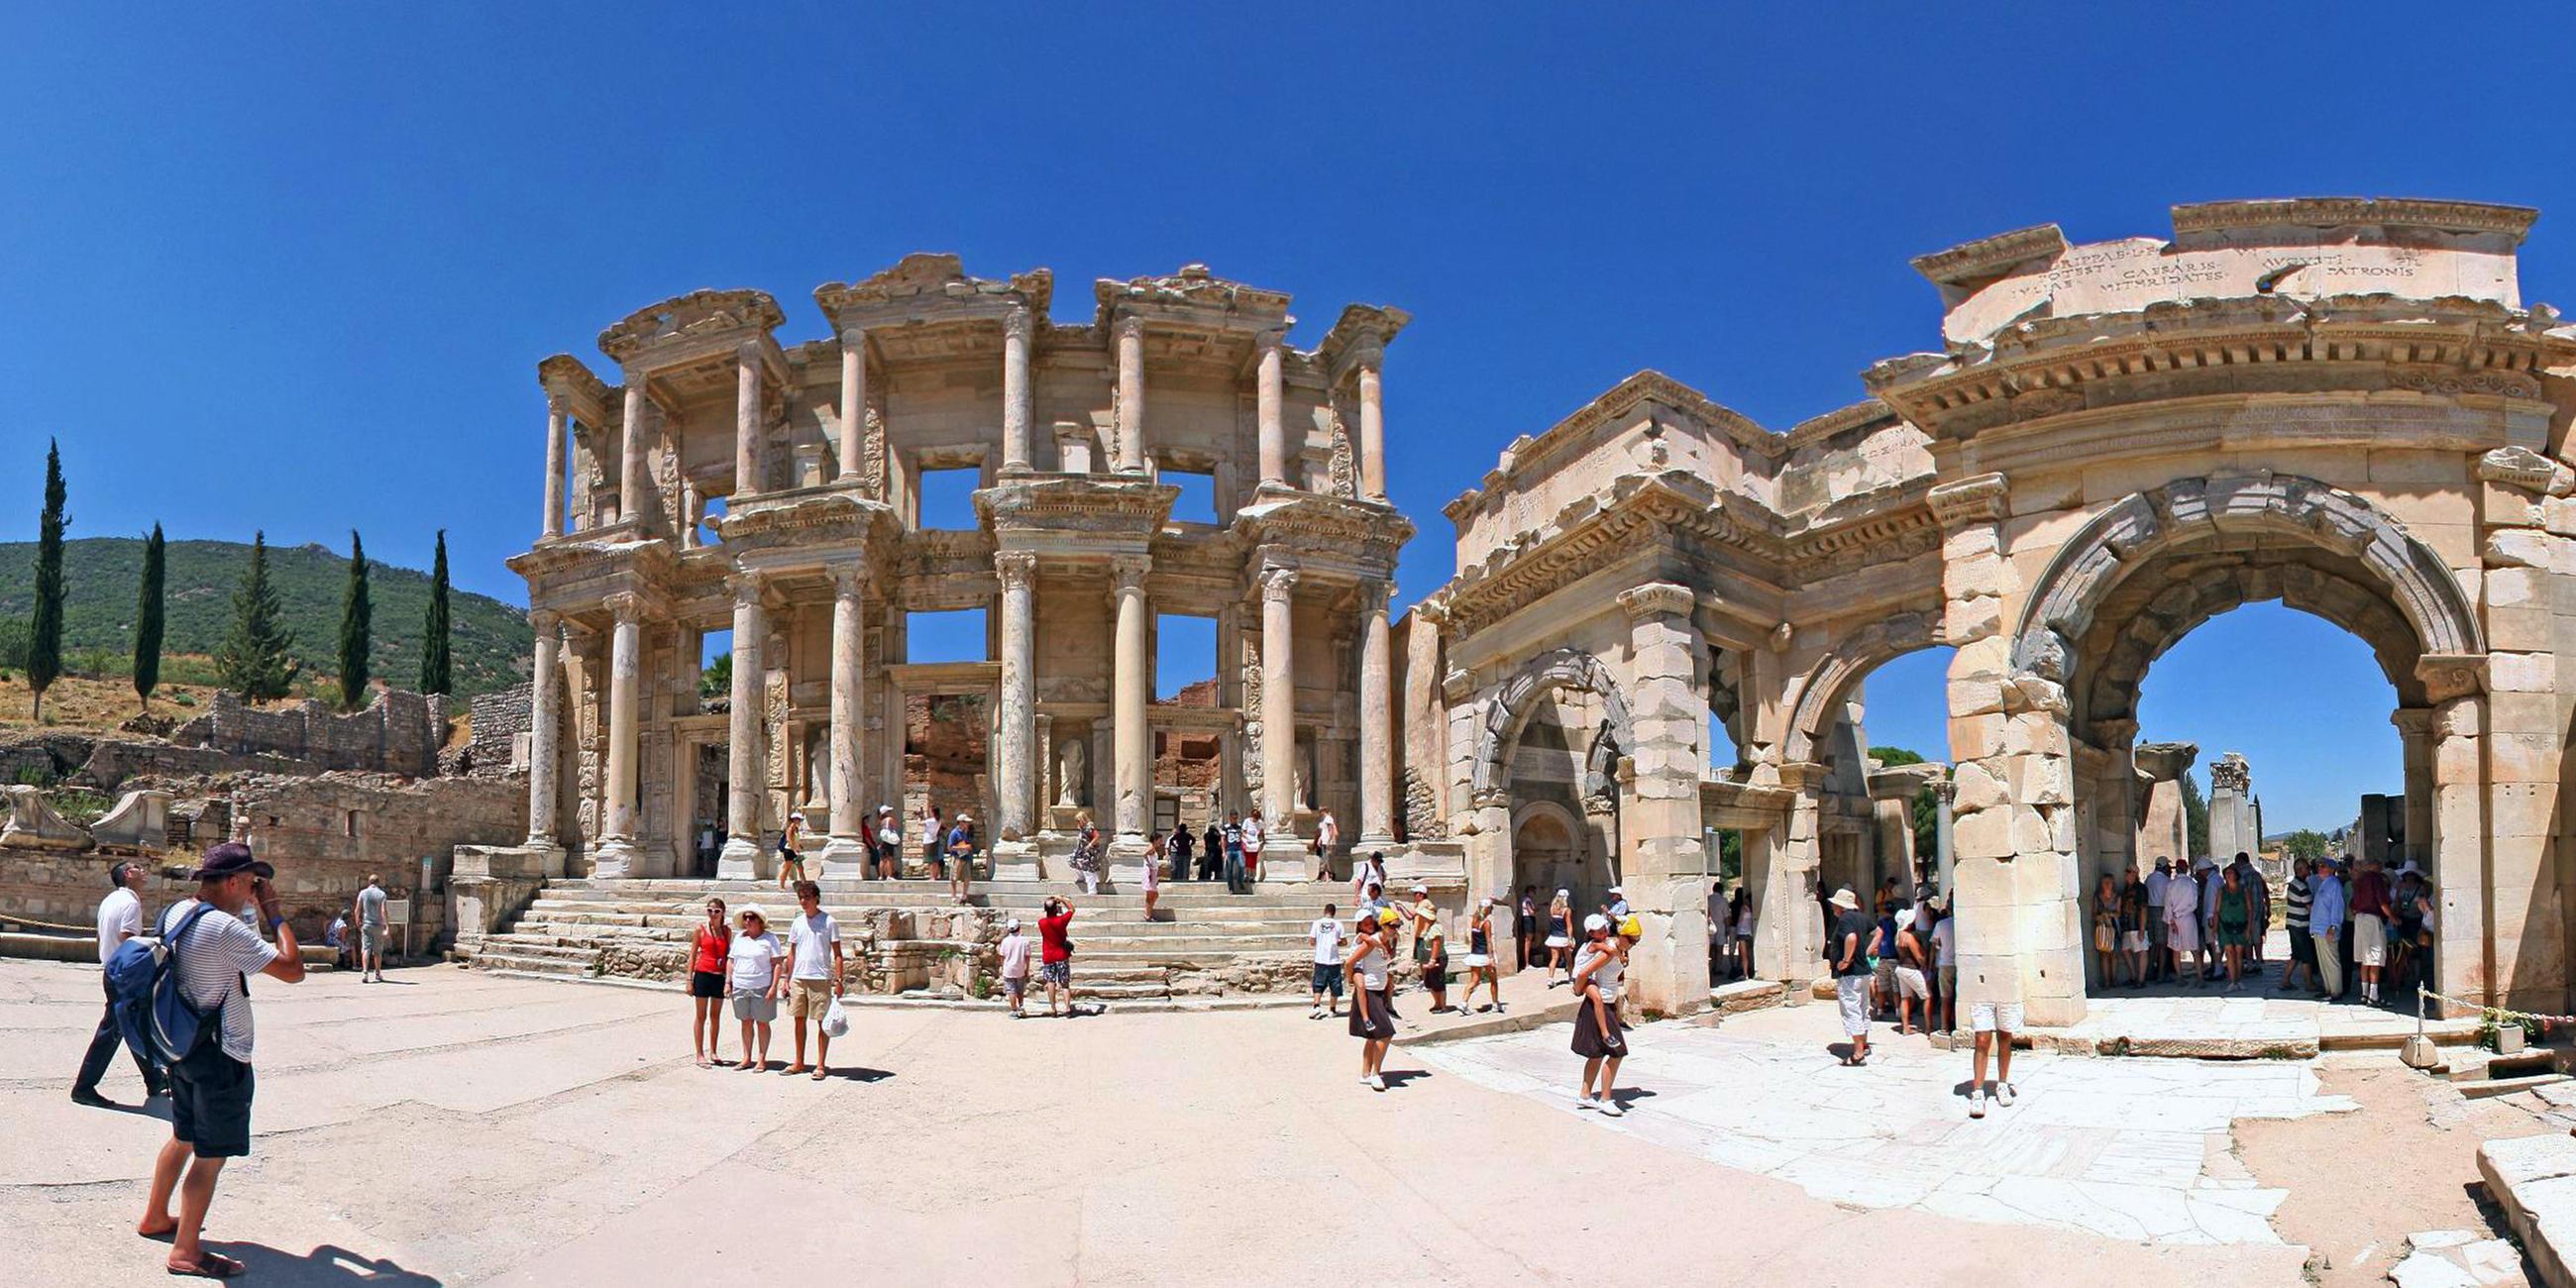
x=1202, y=942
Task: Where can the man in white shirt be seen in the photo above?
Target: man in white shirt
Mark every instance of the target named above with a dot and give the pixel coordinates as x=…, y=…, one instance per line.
x=815, y=976
x=1945, y=964
x=1328, y=838
x=1014, y=950
x=120, y=917
x=1327, y=934
x=211, y=1086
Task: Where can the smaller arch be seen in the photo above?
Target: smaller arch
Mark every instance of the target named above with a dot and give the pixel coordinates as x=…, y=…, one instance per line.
x=1831, y=682
x=1510, y=705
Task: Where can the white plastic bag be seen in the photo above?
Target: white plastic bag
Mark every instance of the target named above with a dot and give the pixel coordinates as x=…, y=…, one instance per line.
x=836, y=1022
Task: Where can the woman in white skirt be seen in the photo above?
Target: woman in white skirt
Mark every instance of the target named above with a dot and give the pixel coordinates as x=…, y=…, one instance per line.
x=1560, y=938
x=1152, y=885
x=2182, y=927
x=1480, y=957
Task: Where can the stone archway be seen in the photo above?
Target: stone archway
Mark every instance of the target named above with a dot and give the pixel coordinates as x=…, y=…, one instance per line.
x=1499, y=727
x=1830, y=684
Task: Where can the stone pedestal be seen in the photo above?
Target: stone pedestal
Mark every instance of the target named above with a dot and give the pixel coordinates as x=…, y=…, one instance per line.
x=1122, y=866
x=1015, y=861
x=2234, y=823
x=2163, y=828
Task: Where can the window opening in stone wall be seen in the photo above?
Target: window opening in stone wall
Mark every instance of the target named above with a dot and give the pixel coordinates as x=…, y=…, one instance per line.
x=1721, y=744
x=709, y=510
x=1904, y=710
x=715, y=670
x=1197, y=501
x=946, y=635
x=349, y=822
x=1185, y=659
x=947, y=499
x=945, y=754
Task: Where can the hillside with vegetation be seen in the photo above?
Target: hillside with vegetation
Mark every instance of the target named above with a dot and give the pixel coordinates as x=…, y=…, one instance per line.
x=490, y=639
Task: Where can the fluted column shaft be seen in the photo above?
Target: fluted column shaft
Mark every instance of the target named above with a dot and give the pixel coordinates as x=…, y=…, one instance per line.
x=630, y=467
x=743, y=759
x=1372, y=436
x=849, y=644
x=1017, y=331
x=545, y=724
x=1131, y=742
x=854, y=399
x=1268, y=400
x=1018, y=571
x=1377, y=717
x=553, y=524
x=617, y=850
x=1131, y=395
x=1278, y=700
x=746, y=424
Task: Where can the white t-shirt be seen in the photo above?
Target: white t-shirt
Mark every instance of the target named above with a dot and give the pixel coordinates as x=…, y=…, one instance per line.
x=1607, y=977
x=119, y=914
x=1944, y=945
x=755, y=961
x=1327, y=933
x=1015, y=956
x=1371, y=970
x=813, y=938
x=1252, y=837
x=217, y=952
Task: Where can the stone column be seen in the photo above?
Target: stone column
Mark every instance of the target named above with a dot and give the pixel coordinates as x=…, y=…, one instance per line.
x=553, y=525
x=746, y=428
x=630, y=465
x=854, y=401
x=1019, y=752
x=846, y=852
x=1268, y=400
x=1131, y=742
x=545, y=724
x=1131, y=394
x=1377, y=721
x=1665, y=849
x=2415, y=734
x=1278, y=718
x=617, y=853
x=1373, y=438
x=1944, y=857
x=1018, y=329
x=746, y=769
x=2163, y=829
x=2463, y=954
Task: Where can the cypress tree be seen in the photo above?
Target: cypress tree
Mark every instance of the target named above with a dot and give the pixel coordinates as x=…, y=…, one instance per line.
x=147, y=620
x=433, y=629
x=253, y=660
x=357, y=613
x=45, y=648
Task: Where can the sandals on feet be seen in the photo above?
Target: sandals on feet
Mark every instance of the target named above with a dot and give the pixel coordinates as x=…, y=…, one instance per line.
x=210, y=1265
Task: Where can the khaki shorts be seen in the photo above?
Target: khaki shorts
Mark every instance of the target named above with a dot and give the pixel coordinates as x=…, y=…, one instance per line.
x=808, y=999
x=2369, y=940
x=1910, y=983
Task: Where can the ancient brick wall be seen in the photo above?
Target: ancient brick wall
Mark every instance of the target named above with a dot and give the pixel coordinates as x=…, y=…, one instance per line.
x=399, y=733
x=498, y=719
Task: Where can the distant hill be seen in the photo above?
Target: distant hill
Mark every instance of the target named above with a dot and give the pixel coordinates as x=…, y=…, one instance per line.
x=489, y=641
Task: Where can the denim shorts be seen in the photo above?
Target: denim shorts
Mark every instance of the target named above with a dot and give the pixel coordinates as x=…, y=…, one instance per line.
x=1328, y=978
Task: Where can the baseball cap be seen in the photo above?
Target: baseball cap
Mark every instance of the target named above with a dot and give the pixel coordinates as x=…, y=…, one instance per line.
x=1595, y=922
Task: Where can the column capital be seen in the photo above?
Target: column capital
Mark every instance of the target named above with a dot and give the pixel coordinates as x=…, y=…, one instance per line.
x=855, y=337
x=1657, y=599
x=626, y=606
x=1375, y=594
x=2447, y=676
x=748, y=353
x=2412, y=722
x=746, y=588
x=1128, y=327
x=1978, y=498
x=558, y=403
x=1269, y=342
x=544, y=621
x=1278, y=583
x=1126, y=572
x=1017, y=568
x=1019, y=323
x=849, y=580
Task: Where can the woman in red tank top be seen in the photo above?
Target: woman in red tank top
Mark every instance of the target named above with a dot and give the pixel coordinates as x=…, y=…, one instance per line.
x=707, y=949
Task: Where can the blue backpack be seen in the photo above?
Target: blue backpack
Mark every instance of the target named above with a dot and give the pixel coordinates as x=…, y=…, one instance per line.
x=160, y=1024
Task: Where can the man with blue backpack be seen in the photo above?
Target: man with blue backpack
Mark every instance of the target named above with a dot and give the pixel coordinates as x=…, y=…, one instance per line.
x=196, y=1019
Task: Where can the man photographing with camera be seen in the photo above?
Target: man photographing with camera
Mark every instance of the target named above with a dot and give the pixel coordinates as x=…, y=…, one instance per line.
x=210, y=1086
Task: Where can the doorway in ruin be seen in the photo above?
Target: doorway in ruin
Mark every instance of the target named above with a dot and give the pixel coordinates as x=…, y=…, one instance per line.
x=947, y=747
x=703, y=837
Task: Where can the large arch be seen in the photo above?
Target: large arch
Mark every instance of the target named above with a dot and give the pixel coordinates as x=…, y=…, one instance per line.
x=1499, y=727
x=1830, y=684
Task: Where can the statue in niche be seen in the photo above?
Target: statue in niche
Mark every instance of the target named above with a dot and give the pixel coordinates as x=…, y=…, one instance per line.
x=1341, y=469
x=818, y=766
x=1303, y=786
x=1072, y=785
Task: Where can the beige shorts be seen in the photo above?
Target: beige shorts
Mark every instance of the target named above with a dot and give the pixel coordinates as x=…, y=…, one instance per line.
x=2369, y=940
x=1910, y=983
x=808, y=999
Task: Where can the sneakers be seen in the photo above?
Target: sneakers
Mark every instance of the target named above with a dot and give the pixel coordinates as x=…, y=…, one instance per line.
x=1315, y=1014
x=1376, y=1083
x=2004, y=1094
x=1977, y=1103
x=1584, y=1100
x=1610, y=1108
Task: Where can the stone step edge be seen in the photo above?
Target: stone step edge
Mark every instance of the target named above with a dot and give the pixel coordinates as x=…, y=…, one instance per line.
x=1137, y=1006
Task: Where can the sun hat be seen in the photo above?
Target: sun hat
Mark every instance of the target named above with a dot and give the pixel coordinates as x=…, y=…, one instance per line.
x=754, y=910
x=1486, y=902
x=1616, y=890
x=1596, y=924
x=1844, y=898
x=1562, y=892
x=1419, y=888
x=231, y=859
x=1012, y=924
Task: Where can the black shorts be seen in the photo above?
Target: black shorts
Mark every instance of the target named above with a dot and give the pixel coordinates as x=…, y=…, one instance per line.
x=210, y=1096
x=706, y=983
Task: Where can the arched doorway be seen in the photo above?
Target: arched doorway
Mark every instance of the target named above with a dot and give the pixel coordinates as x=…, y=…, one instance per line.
x=1546, y=766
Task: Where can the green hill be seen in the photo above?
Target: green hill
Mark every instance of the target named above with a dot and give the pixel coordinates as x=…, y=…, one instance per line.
x=489, y=640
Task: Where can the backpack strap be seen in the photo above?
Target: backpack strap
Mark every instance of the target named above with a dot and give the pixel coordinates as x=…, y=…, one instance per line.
x=178, y=969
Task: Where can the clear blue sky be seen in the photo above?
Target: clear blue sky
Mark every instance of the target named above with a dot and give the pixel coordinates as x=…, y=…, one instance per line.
x=292, y=266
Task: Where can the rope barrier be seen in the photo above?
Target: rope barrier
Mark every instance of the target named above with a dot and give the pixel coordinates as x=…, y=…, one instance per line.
x=2422, y=993
x=14, y=919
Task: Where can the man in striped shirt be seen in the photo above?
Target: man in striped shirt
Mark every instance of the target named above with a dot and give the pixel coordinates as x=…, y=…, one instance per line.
x=2303, y=950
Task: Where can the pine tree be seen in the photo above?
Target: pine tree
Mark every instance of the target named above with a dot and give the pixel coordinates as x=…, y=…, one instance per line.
x=357, y=621
x=433, y=629
x=45, y=648
x=147, y=620
x=254, y=660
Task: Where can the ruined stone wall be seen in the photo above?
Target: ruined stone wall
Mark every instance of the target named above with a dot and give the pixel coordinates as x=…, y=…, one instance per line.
x=399, y=733
x=498, y=720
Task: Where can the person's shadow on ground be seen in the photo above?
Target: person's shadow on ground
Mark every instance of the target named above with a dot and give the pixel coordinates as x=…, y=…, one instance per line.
x=325, y=1265
x=847, y=1073
x=1396, y=1079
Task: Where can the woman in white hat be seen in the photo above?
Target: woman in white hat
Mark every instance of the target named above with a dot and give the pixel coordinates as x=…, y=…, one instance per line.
x=889, y=844
x=1560, y=938
x=1480, y=956
x=1599, y=1037
x=1372, y=992
x=759, y=976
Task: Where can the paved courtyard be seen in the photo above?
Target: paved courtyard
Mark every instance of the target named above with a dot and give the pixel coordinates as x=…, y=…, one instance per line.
x=448, y=1128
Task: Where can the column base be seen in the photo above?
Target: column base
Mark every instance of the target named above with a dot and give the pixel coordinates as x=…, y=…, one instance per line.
x=1124, y=863
x=615, y=859
x=739, y=860
x=548, y=854
x=1014, y=861
x=1286, y=860
x=844, y=856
